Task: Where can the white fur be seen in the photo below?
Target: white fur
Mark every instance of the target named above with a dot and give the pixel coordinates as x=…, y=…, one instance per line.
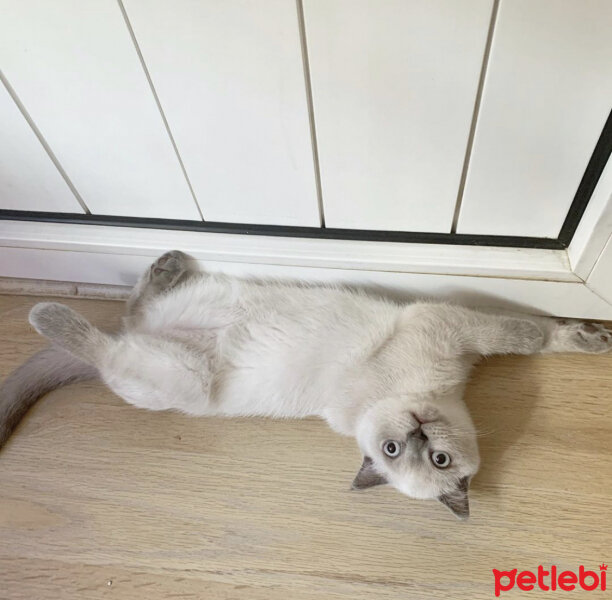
x=215, y=345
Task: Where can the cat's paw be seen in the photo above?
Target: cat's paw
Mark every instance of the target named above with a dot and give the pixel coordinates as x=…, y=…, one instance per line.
x=51, y=318
x=168, y=269
x=581, y=336
x=64, y=326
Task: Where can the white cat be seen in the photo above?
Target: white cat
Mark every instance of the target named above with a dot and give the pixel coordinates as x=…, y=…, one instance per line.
x=390, y=375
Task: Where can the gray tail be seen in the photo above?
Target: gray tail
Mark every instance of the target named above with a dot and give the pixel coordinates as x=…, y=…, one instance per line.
x=45, y=371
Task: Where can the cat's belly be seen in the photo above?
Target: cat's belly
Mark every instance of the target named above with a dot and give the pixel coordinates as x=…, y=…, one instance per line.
x=248, y=393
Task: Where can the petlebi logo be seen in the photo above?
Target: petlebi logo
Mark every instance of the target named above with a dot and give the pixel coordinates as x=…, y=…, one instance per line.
x=550, y=580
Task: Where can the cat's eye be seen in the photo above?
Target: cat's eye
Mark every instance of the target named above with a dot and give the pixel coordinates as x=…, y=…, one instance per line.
x=392, y=448
x=440, y=459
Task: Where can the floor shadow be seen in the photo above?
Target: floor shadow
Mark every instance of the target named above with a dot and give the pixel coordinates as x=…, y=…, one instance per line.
x=501, y=395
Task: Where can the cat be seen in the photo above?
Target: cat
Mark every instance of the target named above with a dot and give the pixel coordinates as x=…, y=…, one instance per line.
x=391, y=375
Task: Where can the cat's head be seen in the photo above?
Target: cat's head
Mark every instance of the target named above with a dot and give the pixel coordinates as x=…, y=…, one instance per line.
x=424, y=447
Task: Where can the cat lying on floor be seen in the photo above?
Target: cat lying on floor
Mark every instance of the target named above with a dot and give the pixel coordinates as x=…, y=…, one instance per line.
x=390, y=375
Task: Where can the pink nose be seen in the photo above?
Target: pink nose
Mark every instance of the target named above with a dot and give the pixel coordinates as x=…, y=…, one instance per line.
x=418, y=419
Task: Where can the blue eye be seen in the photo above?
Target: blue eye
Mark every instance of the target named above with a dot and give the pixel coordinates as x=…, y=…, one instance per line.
x=441, y=460
x=392, y=448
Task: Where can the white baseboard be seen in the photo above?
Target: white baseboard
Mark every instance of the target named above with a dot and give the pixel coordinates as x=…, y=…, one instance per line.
x=489, y=261
x=92, y=256
x=561, y=298
x=62, y=289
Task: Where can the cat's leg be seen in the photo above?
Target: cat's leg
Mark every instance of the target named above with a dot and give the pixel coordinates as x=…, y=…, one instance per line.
x=147, y=371
x=158, y=374
x=487, y=332
x=168, y=271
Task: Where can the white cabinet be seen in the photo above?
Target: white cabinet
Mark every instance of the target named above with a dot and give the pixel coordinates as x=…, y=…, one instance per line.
x=546, y=97
x=230, y=80
x=28, y=178
x=394, y=85
x=73, y=66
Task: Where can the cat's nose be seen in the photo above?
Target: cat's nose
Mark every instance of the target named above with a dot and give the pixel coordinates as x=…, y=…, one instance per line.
x=419, y=434
x=417, y=418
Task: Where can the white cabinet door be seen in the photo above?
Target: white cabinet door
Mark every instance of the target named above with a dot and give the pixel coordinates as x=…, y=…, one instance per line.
x=230, y=79
x=547, y=93
x=28, y=178
x=394, y=84
x=73, y=65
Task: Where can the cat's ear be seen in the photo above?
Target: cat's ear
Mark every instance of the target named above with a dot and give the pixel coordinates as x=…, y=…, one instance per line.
x=458, y=500
x=367, y=476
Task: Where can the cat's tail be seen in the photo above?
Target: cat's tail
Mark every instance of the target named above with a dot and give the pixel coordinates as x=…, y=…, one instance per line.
x=72, y=359
x=47, y=370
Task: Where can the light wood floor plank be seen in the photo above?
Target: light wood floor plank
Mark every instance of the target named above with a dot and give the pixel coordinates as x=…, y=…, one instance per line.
x=165, y=506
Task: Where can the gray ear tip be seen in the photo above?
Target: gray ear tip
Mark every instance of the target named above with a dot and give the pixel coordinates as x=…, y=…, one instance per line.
x=458, y=504
x=459, y=514
x=367, y=476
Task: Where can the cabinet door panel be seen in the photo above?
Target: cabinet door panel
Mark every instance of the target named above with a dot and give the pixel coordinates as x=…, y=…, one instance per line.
x=547, y=93
x=74, y=67
x=394, y=84
x=28, y=177
x=230, y=79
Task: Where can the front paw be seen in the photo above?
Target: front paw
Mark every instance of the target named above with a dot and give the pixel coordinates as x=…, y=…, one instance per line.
x=580, y=336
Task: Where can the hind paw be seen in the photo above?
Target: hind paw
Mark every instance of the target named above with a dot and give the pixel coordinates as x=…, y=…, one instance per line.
x=168, y=269
x=64, y=326
x=48, y=318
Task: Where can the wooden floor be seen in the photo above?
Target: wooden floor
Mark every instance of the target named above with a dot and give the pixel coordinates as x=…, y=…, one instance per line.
x=101, y=500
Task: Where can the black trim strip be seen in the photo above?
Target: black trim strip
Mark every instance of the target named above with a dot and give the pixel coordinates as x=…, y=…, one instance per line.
x=589, y=180
x=595, y=167
x=288, y=231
